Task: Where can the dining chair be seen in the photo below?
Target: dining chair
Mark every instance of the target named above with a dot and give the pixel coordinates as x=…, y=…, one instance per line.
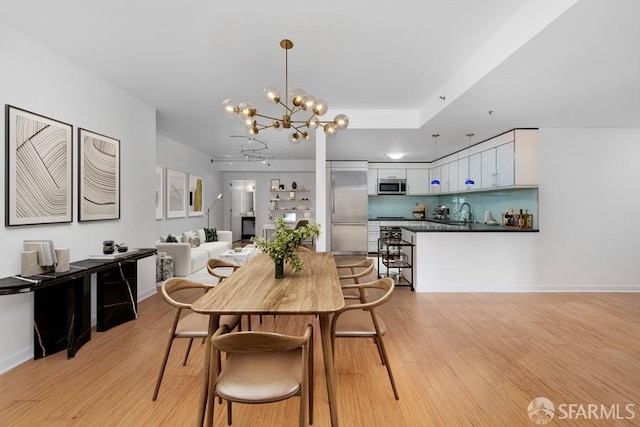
x=357, y=271
x=192, y=325
x=262, y=367
x=359, y=320
x=220, y=269
x=304, y=223
x=303, y=249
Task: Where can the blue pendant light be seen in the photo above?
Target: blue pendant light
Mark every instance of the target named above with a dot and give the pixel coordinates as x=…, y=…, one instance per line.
x=469, y=182
x=435, y=182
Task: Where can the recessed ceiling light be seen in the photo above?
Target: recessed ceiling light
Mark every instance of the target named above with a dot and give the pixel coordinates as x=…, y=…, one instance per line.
x=394, y=156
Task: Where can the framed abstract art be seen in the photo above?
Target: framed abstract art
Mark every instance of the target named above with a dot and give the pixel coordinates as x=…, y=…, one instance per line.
x=38, y=169
x=176, y=194
x=98, y=177
x=195, y=195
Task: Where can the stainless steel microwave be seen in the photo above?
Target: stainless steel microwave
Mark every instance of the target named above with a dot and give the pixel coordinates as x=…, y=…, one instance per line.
x=392, y=186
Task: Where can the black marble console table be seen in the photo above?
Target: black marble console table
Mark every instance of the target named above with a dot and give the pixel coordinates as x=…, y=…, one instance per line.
x=62, y=301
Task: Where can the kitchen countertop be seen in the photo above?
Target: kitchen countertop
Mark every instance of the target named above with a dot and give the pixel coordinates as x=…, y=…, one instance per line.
x=446, y=226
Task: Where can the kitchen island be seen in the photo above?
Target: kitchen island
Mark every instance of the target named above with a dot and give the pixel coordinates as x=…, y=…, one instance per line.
x=454, y=257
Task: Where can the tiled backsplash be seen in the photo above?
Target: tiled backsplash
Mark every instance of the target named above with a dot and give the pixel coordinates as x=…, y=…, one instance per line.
x=495, y=201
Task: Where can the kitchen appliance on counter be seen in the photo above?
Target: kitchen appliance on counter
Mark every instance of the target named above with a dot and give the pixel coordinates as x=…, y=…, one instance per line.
x=441, y=212
x=420, y=211
x=392, y=186
x=349, y=212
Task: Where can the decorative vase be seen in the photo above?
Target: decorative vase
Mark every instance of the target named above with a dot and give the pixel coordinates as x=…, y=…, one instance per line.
x=294, y=185
x=279, y=262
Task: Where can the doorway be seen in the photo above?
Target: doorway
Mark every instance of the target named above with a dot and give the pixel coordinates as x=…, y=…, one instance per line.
x=242, y=211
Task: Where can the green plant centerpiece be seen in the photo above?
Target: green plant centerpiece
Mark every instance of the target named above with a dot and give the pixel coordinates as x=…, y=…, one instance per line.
x=286, y=241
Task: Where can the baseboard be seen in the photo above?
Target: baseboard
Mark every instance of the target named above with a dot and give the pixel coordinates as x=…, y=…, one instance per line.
x=146, y=294
x=531, y=288
x=16, y=359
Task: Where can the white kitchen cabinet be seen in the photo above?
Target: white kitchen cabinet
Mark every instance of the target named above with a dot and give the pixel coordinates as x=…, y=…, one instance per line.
x=505, y=174
x=418, y=182
x=470, y=167
x=454, y=180
x=373, y=234
x=444, y=178
x=497, y=166
x=372, y=182
x=488, y=179
x=392, y=173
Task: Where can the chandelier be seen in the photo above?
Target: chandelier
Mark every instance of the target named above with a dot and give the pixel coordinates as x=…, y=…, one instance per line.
x=255, y=150
x=298, y=101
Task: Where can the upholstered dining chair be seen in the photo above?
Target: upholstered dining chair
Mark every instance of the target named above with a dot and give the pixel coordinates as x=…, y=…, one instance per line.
x=192, y=325
x=359, y=320
x=356, y=271
x=262, y=367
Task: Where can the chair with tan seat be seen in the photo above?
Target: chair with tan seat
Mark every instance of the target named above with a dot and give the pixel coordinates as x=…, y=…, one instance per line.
x=361, y=321
x=262, y=367
x=220, y=269
x=192, y=325
x=356, y=271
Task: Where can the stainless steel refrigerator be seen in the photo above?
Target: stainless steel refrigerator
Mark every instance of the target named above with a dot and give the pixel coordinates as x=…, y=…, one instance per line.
x=349, y=212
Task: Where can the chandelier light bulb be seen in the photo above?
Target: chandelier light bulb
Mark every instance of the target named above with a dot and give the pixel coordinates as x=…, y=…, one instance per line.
x=305, y=135
x=246, y=110
x=320, y=107
x=294, y=138
x=308, y=101
x=276, y=124
x=296, y=96
x=312, y=123
x=271, y=94
x=229, y=107
x=341, y=121
x=330, y=129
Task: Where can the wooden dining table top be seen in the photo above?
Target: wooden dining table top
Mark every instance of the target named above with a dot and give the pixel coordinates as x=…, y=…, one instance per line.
x=253, y=288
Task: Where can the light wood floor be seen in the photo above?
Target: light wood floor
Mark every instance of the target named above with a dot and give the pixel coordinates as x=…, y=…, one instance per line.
x=459, y=360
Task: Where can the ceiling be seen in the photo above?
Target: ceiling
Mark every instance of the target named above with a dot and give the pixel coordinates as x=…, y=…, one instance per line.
x=401, y=70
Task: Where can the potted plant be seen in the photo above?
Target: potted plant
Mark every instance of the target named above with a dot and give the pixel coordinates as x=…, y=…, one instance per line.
x=286, y=241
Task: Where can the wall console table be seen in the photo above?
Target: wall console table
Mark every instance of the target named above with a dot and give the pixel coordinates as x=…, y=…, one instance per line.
x=62, y=301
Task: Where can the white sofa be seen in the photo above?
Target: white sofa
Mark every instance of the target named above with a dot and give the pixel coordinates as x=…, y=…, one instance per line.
x=188, y=260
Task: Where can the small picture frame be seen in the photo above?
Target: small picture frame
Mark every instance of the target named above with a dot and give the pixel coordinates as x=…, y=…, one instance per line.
x=275, y=184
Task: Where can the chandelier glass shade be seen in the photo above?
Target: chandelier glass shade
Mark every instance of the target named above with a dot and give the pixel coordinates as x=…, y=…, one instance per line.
x=296, y=101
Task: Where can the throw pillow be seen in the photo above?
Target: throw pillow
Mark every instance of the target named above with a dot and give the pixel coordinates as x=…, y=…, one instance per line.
x=194, y=241
x=211, y=235
x=201, y=235
x=171, y=239
x=187, y=235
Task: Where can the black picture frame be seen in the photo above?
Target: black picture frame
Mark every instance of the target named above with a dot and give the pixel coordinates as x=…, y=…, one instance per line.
x=39, y=169
x=98, y=176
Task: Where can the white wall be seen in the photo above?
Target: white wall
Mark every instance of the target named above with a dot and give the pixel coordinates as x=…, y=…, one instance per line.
x=589, y=208
x=177, y=156
x=589, y=226
x=37, y=79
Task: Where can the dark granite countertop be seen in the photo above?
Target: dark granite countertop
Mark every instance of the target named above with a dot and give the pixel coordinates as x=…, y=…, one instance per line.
x=444, y=226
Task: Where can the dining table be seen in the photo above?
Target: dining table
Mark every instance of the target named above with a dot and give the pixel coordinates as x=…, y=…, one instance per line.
x=254, y=290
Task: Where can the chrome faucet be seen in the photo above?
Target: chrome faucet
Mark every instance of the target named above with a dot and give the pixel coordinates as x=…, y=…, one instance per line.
x=470, y=214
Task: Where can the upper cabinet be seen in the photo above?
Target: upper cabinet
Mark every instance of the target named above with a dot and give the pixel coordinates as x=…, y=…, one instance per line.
x=392, y=173
x=418, y=182
x=372, y=182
